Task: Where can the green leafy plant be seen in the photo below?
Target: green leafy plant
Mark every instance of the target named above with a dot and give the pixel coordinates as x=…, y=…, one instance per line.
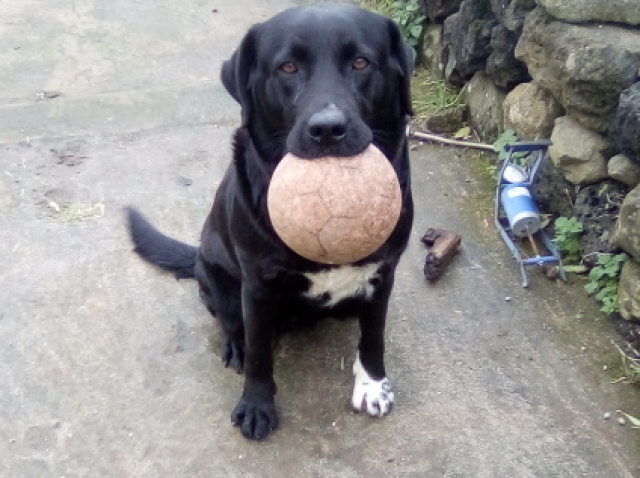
x=406, y=14
x=507, y=137
x=603, y=280
x=567, y=237
x=409, y=19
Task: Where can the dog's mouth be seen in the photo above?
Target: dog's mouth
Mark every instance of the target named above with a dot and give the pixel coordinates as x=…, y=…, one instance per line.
x=338, y=152
x=343, y=149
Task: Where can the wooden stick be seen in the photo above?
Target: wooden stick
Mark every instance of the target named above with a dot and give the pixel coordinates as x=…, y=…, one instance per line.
x=452, y=142
x=533, y=244
x=444, y=245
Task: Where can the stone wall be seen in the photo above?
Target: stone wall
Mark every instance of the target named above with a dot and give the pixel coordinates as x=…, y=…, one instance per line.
x=565, y=70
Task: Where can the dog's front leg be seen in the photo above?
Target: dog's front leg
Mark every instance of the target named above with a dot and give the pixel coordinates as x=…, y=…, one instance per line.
x=255, y=413
x=372, y=390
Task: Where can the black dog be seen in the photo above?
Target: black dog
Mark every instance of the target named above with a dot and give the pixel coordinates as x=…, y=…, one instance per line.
x=314, y=81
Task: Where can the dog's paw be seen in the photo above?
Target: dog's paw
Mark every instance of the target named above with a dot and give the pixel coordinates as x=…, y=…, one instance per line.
x=233, y=355
x=374, y=397
x=256, y=419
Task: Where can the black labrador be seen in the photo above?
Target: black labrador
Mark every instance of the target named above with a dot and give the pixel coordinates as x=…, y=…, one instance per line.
x=315, y=81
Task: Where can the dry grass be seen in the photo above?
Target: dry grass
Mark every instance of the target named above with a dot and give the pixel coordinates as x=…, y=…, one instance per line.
x=70, y=213
x=431, y=94
x=630, y=359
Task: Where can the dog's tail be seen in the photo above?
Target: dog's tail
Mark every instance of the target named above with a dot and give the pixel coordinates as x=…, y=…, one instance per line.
x=160, y=250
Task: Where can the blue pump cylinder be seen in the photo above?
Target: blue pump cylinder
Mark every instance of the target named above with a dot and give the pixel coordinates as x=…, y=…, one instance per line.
x=521, y=211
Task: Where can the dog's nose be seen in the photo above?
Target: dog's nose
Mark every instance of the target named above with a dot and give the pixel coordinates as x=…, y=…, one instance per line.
x=330, y=124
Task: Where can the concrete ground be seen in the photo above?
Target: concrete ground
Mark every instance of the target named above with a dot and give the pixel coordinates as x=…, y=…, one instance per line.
x=109, y=368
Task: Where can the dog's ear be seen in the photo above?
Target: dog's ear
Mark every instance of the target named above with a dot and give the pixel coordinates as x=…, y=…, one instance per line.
x=228, y=76
x=236, y=74
x=402, y=60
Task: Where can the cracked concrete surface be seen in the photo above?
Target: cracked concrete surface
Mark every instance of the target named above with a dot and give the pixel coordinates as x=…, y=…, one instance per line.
x=110, y=368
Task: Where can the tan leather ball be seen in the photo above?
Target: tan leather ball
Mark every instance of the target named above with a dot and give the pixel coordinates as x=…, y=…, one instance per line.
x=335, y=210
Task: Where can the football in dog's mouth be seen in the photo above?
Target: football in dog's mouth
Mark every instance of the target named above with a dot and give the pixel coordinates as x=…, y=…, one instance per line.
x=335, y=210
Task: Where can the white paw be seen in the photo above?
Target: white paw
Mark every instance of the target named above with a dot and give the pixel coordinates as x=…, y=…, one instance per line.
x=375, y=397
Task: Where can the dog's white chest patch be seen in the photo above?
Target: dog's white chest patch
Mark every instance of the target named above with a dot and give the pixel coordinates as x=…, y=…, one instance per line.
x=342, y=282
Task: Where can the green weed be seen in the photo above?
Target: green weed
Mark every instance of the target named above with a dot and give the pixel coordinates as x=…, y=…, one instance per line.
x=431, y=94
x=603, y=280
x=407, y=15
x=567, y=237
x=409, y=18
x=507, y=137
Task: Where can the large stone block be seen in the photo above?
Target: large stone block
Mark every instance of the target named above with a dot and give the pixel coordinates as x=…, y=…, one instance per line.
x=618, y=11
x=438, y=10
x=531, y=111
x=503, y=67
x=578, y=152
x=585, y=67
x=625, y=130
x=511, y=13
x=629, y=290
x=552, y=192
x=466, y=39
x=627, y=230
x=447, y=120
x=432, y=49
x=485, y=106
x=622, y=169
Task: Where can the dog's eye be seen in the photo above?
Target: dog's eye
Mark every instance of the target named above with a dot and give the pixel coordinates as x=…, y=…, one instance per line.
x=289, y=68
x=360, y=63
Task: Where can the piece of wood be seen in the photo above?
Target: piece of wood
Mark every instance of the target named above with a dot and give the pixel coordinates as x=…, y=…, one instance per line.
x=453, y=142
x=444, y=244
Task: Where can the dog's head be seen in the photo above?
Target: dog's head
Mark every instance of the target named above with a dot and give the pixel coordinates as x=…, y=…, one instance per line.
x=324, y=80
